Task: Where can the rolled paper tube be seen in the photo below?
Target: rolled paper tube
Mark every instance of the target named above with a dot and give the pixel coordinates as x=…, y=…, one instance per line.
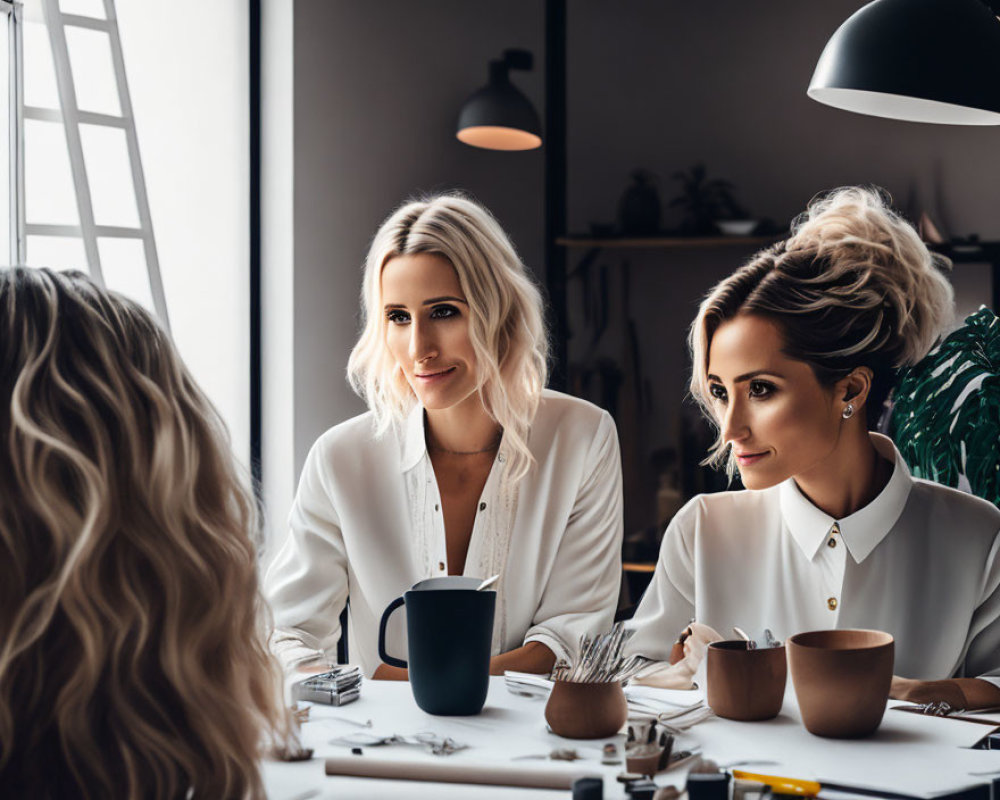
x=483, y=774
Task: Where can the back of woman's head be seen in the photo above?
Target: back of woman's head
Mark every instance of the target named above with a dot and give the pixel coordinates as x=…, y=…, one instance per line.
x=506, y=323
x=132, y=654
x=853, y=286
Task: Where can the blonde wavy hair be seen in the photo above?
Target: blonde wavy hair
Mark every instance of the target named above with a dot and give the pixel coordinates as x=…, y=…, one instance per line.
x=506, y=326
x=133, y=659
x=853, y=286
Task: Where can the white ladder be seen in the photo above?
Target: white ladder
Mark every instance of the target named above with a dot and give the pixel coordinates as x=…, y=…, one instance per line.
x=71, y=116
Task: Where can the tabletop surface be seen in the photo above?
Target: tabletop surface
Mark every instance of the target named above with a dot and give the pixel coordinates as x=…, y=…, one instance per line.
x=910, y=753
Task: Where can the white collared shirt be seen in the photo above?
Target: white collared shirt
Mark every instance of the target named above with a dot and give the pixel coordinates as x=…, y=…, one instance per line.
x=367, y=522
x=920, y=561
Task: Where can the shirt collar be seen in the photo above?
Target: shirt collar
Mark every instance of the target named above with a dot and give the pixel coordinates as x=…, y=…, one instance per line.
x=862, y=530
x=414, y=443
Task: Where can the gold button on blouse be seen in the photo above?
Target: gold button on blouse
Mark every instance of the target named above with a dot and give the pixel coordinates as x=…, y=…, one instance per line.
x=831, y=542
x=441, y=565
x=831, y=603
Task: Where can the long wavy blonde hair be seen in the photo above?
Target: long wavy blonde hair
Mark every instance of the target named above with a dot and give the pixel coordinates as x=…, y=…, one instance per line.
x=506, y=325
x=133, y=659
x=853, y=286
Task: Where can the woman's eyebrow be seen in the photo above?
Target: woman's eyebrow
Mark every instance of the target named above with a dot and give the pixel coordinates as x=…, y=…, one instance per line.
x=432, y=301
x=747, y=376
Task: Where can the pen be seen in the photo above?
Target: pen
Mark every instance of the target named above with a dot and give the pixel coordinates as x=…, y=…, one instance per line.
x=787, y=786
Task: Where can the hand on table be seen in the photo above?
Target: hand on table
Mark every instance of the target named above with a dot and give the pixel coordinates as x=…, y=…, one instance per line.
x=384, y=672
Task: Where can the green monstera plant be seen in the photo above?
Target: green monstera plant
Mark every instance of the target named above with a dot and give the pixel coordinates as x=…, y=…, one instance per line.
x=946, y=414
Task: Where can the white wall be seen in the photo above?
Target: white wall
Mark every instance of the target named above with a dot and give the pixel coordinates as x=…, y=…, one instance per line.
x=279, y=469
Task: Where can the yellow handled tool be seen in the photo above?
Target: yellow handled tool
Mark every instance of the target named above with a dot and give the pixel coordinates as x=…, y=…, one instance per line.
x=786, y=786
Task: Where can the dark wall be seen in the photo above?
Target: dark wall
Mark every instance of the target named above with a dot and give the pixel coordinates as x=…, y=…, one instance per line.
x=378, y=88
x=663, y=85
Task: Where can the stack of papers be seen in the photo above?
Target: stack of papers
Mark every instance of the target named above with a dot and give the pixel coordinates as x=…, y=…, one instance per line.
x=675, y=709
x=526, y=684
x=339, y=686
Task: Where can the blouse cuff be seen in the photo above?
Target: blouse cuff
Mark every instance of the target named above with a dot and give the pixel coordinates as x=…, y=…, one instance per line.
x=550, y=642
x=292, y=653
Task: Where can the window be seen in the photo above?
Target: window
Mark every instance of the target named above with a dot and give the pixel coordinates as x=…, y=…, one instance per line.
x=130, y=163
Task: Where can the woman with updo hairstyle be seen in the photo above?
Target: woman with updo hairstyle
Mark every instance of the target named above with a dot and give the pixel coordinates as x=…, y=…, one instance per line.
x=133, y=637
x=794, y=356
x=464, y=464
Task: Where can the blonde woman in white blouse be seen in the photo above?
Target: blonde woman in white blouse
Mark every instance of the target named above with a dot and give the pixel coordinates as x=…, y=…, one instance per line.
x=794, y=355
x=464, y=465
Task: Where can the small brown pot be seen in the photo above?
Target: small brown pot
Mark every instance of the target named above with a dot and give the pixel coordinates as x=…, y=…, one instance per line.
x=586, y=710
x=842, y=680
x=745, y=684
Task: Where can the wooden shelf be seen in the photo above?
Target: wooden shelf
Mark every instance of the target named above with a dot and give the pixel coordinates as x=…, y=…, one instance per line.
x=962, y=252
x=666, y=242
x=969, y=252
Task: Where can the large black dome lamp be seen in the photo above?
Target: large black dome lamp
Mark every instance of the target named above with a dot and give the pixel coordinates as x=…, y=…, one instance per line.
x=917, y=60
x=498, y=116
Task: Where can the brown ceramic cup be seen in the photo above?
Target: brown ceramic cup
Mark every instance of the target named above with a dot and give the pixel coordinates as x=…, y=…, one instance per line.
x=586, y=710
x=841, y=680
x=745, y=684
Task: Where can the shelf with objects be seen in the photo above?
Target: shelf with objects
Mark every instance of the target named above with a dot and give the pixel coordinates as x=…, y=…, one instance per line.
x=964, y=251
x=663, y=242
x=973, y=251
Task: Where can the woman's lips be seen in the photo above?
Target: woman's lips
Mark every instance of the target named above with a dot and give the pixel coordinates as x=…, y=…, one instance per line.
x=434, y=377
x=746, y=459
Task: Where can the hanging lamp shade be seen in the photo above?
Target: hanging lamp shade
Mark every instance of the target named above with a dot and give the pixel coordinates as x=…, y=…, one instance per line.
x=918, y=60
x=499, y=116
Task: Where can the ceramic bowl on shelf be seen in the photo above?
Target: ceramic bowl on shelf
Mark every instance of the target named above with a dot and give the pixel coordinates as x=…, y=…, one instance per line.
x=736, y=227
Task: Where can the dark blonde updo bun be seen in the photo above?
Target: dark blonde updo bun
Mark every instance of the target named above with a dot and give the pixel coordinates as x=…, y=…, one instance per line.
x=853, y=286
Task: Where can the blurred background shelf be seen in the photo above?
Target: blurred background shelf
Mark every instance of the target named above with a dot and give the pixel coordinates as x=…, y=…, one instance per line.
x=664, y=242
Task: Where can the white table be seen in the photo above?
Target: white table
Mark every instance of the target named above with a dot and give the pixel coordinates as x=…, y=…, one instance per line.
x=921, y=755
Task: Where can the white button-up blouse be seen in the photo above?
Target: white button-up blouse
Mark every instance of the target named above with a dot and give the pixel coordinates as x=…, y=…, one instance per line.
x=920, y=561
x=367, y=522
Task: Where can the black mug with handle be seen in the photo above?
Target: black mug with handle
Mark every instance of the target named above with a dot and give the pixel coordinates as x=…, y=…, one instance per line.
x=449, y=626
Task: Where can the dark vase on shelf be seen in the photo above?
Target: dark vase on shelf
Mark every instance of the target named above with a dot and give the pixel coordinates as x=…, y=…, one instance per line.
x=639, y=209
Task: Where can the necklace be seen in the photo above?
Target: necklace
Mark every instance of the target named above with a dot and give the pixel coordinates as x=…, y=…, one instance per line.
x=491, y=446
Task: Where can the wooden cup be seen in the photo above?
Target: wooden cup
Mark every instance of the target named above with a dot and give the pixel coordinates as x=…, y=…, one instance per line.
x=744, y=684
x=842, y=680
x=586, y=710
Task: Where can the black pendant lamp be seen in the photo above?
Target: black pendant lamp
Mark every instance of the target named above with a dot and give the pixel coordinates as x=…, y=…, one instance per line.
x=499, y=116
x=918, y=60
